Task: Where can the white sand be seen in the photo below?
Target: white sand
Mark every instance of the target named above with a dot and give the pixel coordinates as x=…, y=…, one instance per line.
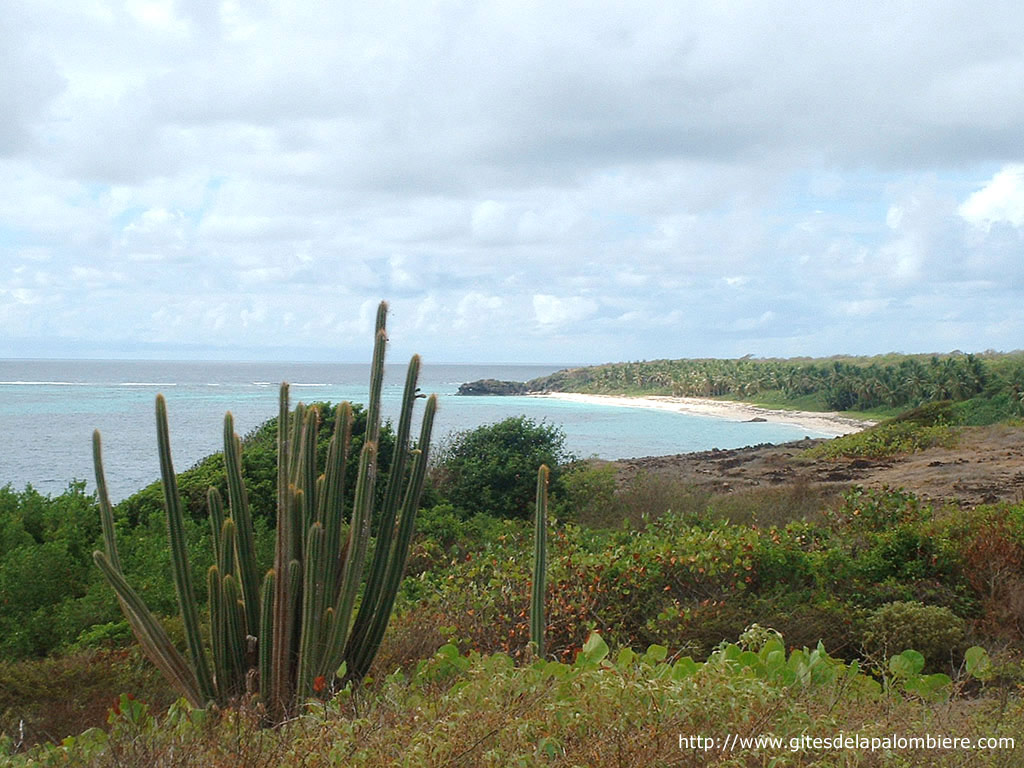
x=828, y=422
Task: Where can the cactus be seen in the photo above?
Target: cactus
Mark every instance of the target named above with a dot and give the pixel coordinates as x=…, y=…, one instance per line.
x=540, y=562
x=319, y=609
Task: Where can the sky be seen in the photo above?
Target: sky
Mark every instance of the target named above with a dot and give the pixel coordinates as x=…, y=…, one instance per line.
x=550, y=182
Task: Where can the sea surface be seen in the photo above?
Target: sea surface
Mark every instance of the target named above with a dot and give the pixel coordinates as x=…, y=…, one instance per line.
x=49, y=409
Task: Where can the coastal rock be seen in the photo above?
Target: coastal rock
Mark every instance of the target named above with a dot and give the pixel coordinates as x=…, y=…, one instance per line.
x=493, y=387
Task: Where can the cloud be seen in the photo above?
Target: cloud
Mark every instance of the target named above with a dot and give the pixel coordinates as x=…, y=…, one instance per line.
x=1000, y=200
x=30, y=81
x=538, y=182
x=554, y=311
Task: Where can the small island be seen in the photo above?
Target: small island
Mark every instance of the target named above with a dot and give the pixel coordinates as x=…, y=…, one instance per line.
x=494, y=387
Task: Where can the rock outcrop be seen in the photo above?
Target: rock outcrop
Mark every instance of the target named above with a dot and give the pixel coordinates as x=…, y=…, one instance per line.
x=493, y=387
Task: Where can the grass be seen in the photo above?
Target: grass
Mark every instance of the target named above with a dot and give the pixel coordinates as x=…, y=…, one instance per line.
x=52, y=698
x=618, y=709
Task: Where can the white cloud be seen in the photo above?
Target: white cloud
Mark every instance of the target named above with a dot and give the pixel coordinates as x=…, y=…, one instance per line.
x=554, y=311
x=583, y=174
x=1000, y=200
x=475, y=311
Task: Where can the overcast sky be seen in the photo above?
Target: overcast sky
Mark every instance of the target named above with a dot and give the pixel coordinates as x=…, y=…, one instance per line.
x=523, y=181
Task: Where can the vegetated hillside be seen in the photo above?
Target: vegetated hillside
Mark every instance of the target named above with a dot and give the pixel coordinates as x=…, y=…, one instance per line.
x=673, y=560
x=894, y=382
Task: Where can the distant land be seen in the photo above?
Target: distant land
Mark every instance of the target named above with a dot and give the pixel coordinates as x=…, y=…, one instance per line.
x=987, y=386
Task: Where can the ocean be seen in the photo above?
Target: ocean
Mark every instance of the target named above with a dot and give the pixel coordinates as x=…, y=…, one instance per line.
x=49, y=409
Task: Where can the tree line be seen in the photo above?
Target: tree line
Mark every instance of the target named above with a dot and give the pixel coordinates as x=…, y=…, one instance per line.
x=842, y=384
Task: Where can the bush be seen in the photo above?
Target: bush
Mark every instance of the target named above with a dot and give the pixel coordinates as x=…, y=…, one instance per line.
x=992, y=553
x=493, y=469
x=933, y=630
x=46, y=548
x=941, y=413
x=883, y=440
x=49, y=699
x=588, y=496
x=650, y=495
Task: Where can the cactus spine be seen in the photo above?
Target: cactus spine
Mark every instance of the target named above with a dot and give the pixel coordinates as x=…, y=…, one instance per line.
x=286, y=639
x=540, y=562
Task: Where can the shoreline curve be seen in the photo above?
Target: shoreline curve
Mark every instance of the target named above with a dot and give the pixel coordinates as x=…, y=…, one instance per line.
x=826, y=422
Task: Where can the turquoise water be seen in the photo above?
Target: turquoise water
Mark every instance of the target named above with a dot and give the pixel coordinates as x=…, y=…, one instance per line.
x=49, y=409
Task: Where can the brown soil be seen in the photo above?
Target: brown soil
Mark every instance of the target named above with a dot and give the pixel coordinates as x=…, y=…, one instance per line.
x=986, y=466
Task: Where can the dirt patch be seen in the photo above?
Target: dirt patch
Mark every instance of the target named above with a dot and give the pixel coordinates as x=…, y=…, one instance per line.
x=986, y=466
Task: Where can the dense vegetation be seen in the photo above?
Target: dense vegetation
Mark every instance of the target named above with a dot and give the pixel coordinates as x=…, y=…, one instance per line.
x=52, y=596
x=493, y=468
x=893, y=382
x=751, y=703
x=700, y=569
x=647, y=564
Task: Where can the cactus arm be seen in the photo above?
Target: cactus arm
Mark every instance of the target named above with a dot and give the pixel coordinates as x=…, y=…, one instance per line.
x=368, y=608
x=179, y=555
x=147, y=630
x=377, y=375
x=333, y=499
x=540, y=532
x=283, y=450
x=265, y=641
x=298, y=422
x=151, y=634
x=396, y=477
x=227, y=637
x=274, y=655
x=106, y=510
x=215, y=508
x=239, y=501
x=285, y=590
x=218, y=631
x=234, y=619
x=365, y=649
x=337, y=456
x=229, y=540
x=311, y=632
x=307, y=475
x=359, y=534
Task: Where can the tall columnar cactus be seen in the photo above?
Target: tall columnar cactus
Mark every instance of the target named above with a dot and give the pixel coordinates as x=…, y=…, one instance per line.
x=540, y=562
x=320, y=608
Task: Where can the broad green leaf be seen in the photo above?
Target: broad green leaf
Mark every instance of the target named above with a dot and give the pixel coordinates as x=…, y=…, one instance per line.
x=683, y=668
x=594, y=650
x=978, y=662
x=908, y=663
x=655, y=654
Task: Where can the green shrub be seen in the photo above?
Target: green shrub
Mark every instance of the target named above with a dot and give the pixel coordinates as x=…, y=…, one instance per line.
x=45, y=553
x=650, y=495
x=942, y=413
x=588, y=495
x=766, y=506
x=883, y=440
x=933, y=630
x=493, y=468
x=49, y=699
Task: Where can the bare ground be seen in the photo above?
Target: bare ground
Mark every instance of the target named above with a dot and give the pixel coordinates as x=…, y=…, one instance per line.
x=986, y=466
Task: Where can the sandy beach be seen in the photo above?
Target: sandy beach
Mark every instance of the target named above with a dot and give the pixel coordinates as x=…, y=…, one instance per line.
x=828, y=422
